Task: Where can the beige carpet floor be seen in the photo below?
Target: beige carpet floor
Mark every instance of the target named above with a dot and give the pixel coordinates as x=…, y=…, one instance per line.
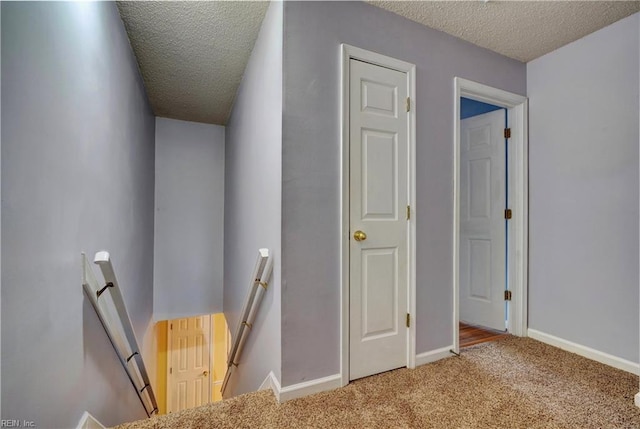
x=510, y=383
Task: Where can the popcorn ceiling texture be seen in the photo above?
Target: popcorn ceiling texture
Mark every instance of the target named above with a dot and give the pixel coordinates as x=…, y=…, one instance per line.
x=522, y=30
x=192, y=55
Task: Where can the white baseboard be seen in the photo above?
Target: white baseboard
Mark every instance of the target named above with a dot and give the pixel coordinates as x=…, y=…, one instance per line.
x=309, y=387
x=434, y=355
x=266, y=384
x=87, y=421
x=271, y=382
x=587, y=352
x=335, y=381
x=301, y=389
x=637, y=399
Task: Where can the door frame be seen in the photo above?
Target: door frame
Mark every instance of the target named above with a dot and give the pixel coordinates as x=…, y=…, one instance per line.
x=518, y=194
x=170, y=361
x=347, y=53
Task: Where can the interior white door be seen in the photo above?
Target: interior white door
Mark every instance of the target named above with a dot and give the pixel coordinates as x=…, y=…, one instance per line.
x=378, y=272
x=482, y=223
x=189, y=364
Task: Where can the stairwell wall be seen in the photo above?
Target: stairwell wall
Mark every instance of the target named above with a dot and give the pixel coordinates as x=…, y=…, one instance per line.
x=77, y=175
x=189, y=219
x=252, y=218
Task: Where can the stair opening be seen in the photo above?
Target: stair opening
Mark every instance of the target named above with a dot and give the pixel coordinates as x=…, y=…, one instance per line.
x=191, y=361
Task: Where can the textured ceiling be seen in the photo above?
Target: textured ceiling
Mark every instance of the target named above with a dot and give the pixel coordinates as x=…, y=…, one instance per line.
x=192, y=55
x=523, y=30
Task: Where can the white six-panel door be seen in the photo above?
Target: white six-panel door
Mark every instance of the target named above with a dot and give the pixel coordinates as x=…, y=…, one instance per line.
x=379, y=151
x=189, y=379
x=482, y=223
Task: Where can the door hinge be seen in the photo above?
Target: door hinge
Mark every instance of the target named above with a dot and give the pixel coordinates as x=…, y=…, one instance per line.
x=170, y=370
x=507, y=214
x=507, y=133
x=408, y=320
x=171, y=326
x=408, y=212
x=507, y=295
x=408, y=104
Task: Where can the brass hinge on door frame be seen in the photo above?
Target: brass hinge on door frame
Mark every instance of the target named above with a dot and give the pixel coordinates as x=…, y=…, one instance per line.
x=408, y=320
x=507, y=133
x=507, y=295
x=408, y=104
x=408, y=212
x=507, y=214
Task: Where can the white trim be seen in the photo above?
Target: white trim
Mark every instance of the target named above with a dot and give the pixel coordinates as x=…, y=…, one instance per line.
x=519, y=225
x=433, y=355
x=587, y=352
x=411, y=346
x=271, y=382
x=351, y=52
x=87, y=421
x=309, y=387
x=518, y=197
x=167, y=393
x=266, y=384
x=636, y=400
x=212, y=354
x=300, y=390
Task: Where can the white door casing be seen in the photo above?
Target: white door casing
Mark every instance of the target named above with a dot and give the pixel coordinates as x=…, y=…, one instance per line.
x=518, y=225
x=482, y=223
x=379, y=196
x=189, y=343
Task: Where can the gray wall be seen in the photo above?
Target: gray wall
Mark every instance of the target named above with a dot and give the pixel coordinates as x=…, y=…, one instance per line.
x=311, y=169
x=583, y=190
x=189, y=219
x=0, y=213
x=253, y=184
x=77, y=175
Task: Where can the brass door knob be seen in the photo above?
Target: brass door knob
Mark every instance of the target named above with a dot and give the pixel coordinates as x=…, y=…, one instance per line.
x=359, y=235
x=205, y=373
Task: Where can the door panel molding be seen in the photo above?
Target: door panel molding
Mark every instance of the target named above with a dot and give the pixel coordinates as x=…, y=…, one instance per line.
x=377, y=105
x=518, y=166
x=193, y=353
x=482, y=224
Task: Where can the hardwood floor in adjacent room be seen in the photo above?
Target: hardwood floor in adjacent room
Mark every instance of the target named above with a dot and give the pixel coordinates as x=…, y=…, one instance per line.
x=471, y=334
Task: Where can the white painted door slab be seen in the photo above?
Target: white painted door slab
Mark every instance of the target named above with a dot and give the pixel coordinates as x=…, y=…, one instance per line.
x=482, y=224
x=378, y=282
x=189, y=364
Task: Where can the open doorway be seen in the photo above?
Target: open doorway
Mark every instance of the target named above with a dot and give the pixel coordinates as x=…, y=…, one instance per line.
x=483, y=221
x=490, y=213
x=191, y=361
